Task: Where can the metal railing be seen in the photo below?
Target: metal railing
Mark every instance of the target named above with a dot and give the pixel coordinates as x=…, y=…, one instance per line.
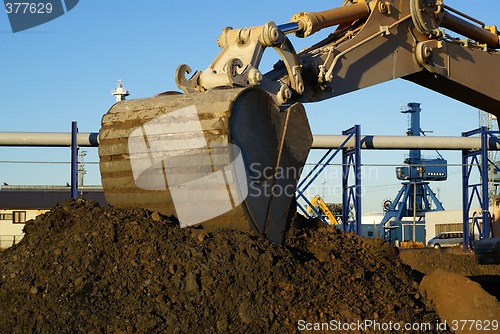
x=7, y=240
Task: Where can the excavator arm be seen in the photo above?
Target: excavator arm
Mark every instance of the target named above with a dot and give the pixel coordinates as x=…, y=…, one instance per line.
x=229, y=151
x=322, y=208
x=376, y=41
x=409, y=40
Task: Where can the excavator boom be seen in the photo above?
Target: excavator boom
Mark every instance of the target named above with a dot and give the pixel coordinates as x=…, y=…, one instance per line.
x=229, y=151
x=319, y=207
x=410, y=40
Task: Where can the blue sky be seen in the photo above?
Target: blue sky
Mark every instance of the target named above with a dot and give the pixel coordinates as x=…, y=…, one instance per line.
x=65, y=70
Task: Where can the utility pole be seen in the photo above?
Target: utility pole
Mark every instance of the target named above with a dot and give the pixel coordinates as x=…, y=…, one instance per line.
x=81, y=167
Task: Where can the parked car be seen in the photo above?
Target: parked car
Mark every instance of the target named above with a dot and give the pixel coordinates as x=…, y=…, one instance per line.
x=487, y=251
x=447, y=239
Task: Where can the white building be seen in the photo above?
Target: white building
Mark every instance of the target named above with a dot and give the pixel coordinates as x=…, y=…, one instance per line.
x=19, y=204
x=12, y=223
x=435, y=223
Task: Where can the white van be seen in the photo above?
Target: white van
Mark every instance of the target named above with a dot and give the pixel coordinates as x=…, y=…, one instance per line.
x=447, y=239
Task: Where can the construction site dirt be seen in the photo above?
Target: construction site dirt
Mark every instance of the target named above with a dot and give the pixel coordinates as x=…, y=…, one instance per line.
x=82, y=268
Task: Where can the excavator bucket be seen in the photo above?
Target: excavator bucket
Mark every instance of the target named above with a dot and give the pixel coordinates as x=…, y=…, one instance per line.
x=227, y=158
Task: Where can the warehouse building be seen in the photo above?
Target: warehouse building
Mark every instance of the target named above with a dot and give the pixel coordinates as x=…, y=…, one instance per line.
x=19, y=204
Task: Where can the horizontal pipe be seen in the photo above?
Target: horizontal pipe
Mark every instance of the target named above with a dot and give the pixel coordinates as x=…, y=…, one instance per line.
x=55, y=139
x=404, y=143
x=90, y=139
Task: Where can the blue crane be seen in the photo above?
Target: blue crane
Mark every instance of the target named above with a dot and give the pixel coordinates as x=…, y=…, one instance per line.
x=415, y=197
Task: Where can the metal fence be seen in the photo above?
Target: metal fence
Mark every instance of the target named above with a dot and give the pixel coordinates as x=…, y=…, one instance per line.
x=7, y=241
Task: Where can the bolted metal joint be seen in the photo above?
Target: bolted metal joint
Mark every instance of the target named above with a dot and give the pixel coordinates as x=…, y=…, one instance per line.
x=270, y=34
x=384, y=7
x=296, y=71
x=427, y=53
x=244, y=35
x=254, y=76
x=284, y=94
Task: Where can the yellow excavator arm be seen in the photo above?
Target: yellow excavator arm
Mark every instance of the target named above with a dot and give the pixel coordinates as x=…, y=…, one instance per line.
x=229, y=151
x=320, y=205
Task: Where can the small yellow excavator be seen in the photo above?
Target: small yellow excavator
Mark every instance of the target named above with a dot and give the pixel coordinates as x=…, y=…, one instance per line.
x=322, y=208
x=228, y=150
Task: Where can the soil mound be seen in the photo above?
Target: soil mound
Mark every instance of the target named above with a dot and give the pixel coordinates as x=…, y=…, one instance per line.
x=454, y=261
x=428, y=260
x=82, y=268
x=457, y=297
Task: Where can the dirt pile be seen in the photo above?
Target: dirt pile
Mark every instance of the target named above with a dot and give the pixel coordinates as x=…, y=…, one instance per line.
x=82, y=268
x=457, y=298
x=454, y=260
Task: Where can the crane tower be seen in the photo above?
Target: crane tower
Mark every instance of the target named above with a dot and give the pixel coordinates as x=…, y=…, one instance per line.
x=415, y=197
